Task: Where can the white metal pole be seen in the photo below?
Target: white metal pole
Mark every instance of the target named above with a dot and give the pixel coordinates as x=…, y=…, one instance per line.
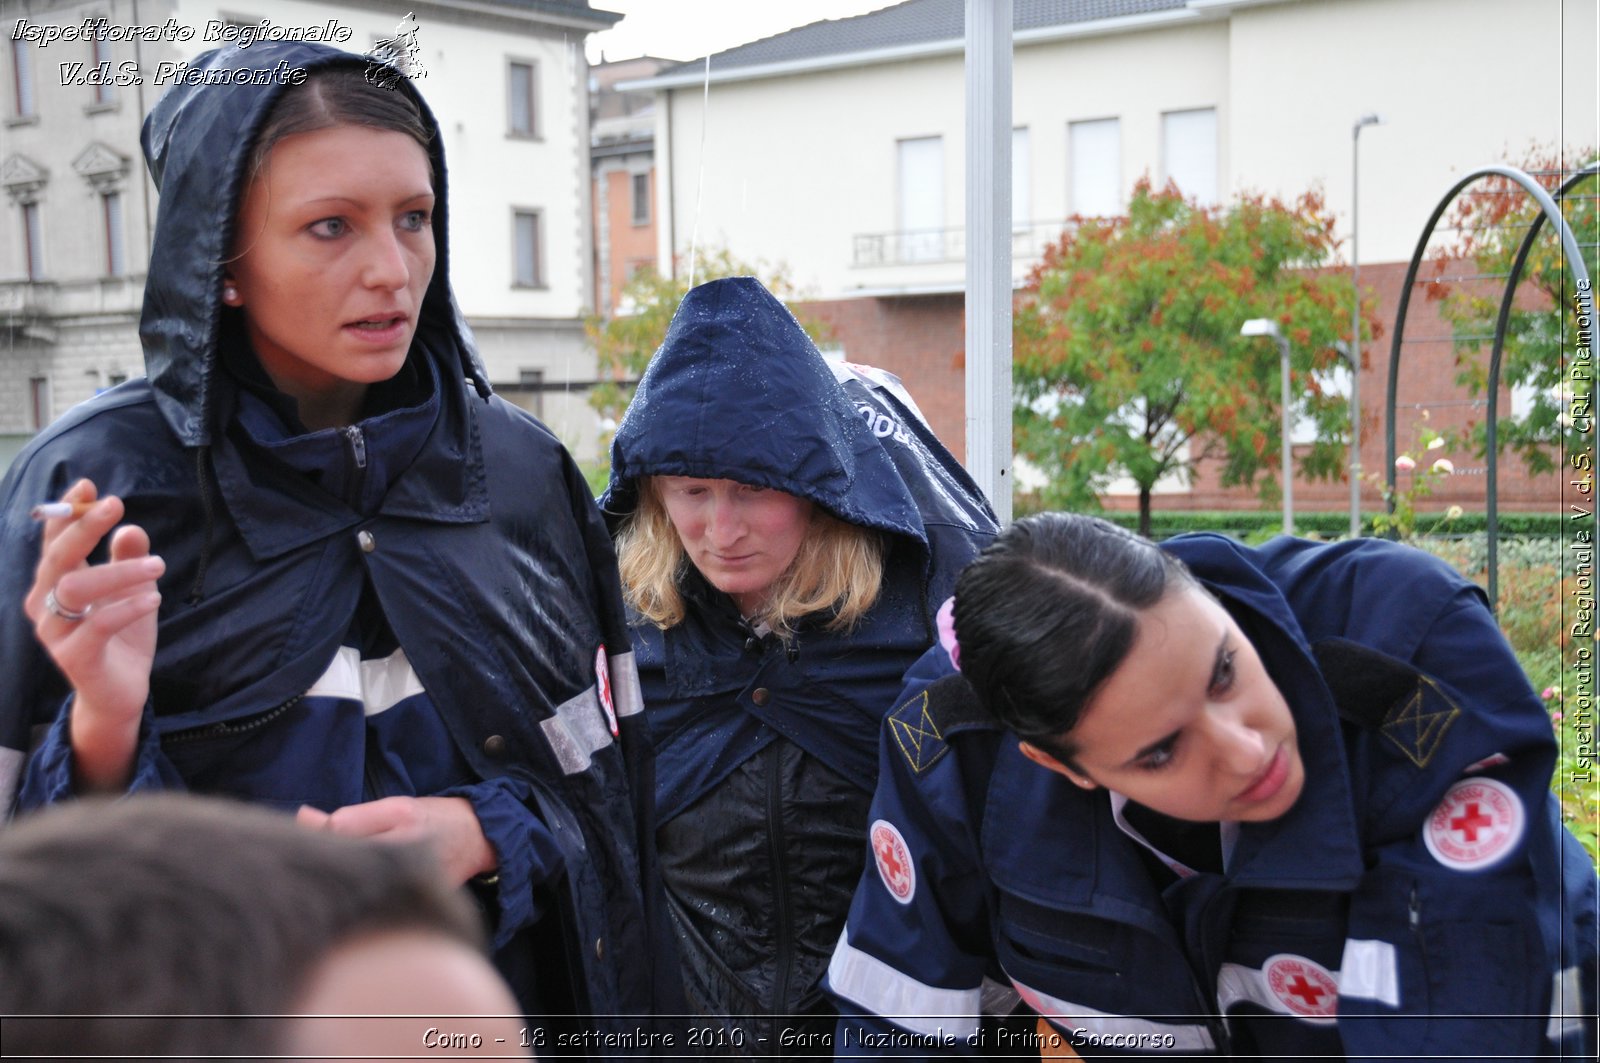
x=988, y=226
x=1355, y=320
x=1288, y=449
x=1355, y=333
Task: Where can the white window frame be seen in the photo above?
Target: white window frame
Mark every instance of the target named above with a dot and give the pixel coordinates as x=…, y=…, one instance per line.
x=1186, y=156
x=521, y=255
x=1087, y=195
x=530, y=98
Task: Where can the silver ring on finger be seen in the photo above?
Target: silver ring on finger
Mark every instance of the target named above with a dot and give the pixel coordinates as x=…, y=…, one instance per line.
x=52, y=603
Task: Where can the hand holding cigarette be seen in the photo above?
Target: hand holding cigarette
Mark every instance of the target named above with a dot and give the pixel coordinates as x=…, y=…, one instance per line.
x=98, y=623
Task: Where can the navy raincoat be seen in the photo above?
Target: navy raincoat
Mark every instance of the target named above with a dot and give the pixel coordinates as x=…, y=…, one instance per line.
x=1421, y=898
x=767, y=748
x=422, y=603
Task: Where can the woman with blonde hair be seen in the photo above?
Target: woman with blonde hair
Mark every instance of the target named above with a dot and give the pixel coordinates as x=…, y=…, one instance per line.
x=785, y=530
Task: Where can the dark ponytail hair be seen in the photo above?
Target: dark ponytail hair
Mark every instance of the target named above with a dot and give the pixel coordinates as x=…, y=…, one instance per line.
x=1048, y=611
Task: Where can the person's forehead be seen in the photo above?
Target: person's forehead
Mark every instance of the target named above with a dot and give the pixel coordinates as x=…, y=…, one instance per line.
x=1163, y=677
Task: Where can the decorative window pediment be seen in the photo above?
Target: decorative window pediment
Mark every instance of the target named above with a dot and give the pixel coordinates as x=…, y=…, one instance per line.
x=102, y=167
x=22, y=178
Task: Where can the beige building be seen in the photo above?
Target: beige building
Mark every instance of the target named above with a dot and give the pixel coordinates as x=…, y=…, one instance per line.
x=506, y=79
x=838, y=148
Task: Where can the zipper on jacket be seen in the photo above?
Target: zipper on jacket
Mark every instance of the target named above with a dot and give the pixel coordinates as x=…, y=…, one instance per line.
x=1414, y=922
x=780, y=878
x=358, y=455
x=358, y=445
x=229, y=728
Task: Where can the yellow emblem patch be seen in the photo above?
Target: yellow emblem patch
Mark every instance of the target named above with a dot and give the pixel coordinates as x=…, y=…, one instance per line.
x=916, y=734
x=1418, y=733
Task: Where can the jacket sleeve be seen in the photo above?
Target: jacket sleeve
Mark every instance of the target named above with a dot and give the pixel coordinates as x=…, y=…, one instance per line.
x=528, y=854
x=48, y=777
x=1456, y=931
x=909, y=971
x=34, y=688
x=35, y=756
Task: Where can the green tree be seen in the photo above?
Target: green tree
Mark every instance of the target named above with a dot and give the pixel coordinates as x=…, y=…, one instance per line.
x=625, y=343
x=1127, y=354
x=1491, y=221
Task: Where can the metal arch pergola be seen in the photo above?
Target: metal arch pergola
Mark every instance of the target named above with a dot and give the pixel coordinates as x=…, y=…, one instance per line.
x=1549, y=208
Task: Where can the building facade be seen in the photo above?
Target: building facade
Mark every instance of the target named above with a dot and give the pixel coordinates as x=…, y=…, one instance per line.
x=507, y=80
x=622, y=127
x=838, y=148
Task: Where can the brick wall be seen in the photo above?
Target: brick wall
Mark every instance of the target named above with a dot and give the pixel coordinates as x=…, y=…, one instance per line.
x=922, y=340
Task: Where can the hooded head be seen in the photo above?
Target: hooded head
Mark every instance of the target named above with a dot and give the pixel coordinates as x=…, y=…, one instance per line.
x=739, y=392
x=199, y=142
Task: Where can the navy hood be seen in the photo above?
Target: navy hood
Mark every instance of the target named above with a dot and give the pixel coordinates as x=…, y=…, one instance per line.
x=197, y=141
x=739, y=392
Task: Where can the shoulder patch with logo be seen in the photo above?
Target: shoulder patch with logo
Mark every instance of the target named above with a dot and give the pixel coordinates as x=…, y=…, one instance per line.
x=1475, y=825
x=923, y=724
x=1417, y=725
x=893, y=857
x=917, y=735
x=1378, y=692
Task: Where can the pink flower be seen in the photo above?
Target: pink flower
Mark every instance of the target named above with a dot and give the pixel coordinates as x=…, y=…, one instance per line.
x=946, y=621
x=1444, y=465
x=1405, y=463
x=1550, y=692
x=1555, y=718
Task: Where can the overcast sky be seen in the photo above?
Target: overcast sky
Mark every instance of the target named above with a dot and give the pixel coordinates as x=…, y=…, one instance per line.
x=689, y=29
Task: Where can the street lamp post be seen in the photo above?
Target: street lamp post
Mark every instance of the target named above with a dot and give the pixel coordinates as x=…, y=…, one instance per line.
x=1265, y=326
x=1355, y=322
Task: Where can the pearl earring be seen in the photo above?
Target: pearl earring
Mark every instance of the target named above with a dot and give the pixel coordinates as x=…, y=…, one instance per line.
x=230, y=294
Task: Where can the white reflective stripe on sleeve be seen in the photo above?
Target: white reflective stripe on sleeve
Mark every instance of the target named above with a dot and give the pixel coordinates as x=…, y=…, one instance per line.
x=387, y=682
x=577, y=731
x=899, y=998
x=999, y=999
x=1369, y=969
x=11, y=761
x=1152, y=1036
x=626, y=696
x=1236, y=982
x=1566, y=1006
x=342, y=678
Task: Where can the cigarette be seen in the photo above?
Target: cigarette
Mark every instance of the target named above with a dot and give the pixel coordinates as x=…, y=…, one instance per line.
x=49, y=510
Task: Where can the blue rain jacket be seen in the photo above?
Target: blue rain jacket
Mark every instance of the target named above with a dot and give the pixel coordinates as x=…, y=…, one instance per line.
x=767, y=749
x=1420, y=899
x=423, y=603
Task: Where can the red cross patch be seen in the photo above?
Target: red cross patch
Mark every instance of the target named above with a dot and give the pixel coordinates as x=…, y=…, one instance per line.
x=1476, y=824
x=602, y=689
x=894, y=861
x=1303, y=987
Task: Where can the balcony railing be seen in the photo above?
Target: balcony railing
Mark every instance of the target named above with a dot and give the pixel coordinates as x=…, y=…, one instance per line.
x=907, y=247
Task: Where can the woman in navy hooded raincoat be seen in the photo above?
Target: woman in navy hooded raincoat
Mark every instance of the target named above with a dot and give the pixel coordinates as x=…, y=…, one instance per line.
x=756, y=491
x=352, y=583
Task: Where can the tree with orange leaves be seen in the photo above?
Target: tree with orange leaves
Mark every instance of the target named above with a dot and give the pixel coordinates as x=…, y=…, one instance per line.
x=1128, y=360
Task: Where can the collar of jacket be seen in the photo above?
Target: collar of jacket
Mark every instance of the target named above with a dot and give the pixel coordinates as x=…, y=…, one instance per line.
x=1091, y=864
x=278, y=509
